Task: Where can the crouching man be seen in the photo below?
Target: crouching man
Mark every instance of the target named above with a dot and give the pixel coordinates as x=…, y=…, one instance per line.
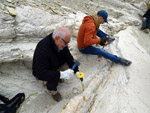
x=52, y=60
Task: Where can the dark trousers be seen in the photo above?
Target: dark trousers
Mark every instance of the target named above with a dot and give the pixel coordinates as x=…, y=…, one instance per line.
x=52, y=84
x=146, y=22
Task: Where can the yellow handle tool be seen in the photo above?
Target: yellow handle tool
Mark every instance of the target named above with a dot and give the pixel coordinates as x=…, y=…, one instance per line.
x=81, y=75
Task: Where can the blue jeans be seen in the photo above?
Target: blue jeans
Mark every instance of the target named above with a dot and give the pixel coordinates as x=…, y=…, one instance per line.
x=101, y=34
x=97, y=51
x=146, y=22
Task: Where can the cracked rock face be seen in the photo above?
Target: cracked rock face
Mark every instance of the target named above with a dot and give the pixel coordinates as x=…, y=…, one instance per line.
x=7, y=30
x=108, y=87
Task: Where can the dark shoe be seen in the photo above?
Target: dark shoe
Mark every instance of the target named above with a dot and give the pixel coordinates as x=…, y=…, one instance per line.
x=142, y=28
x=57, y=97
x=124, y=62
x=110, y=40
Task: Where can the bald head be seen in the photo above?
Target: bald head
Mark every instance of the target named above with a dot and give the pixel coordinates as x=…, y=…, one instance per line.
x=61, y=32
x=61, y=37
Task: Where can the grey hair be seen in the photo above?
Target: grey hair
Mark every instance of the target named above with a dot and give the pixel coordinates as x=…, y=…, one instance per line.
x=59, y=32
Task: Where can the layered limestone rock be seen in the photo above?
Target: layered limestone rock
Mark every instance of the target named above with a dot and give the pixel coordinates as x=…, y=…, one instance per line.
x=7, y=30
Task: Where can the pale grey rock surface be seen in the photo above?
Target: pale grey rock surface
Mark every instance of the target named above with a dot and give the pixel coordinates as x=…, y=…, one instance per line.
x=7, y=30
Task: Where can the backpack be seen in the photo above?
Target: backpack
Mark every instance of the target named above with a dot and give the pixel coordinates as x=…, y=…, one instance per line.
x=11, y=106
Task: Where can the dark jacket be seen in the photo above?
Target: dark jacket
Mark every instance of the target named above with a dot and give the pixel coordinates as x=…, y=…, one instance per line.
x=147, y=14
x=47, y=59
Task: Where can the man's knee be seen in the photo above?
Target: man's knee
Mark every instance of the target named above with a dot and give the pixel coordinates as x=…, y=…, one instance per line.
x=63, y=67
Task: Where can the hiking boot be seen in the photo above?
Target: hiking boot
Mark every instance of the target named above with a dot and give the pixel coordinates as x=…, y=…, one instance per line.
x=56, y=95
x=142, y=28
x=124, y=62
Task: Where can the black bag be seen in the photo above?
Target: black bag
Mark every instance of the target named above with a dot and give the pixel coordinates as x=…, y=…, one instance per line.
x=11, y=106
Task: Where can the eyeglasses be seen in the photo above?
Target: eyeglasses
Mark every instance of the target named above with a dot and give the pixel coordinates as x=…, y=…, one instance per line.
x=65, y=41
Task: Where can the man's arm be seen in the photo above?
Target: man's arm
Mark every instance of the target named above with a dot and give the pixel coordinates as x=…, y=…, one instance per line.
x=89, y=37
x=68, y=57
x=101, y=34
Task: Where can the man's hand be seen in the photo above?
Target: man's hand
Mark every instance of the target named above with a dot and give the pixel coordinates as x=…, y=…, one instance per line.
x=77, y=74
x=110, y=39
x=67, y=74
x=103, y=41
x=76, y=69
